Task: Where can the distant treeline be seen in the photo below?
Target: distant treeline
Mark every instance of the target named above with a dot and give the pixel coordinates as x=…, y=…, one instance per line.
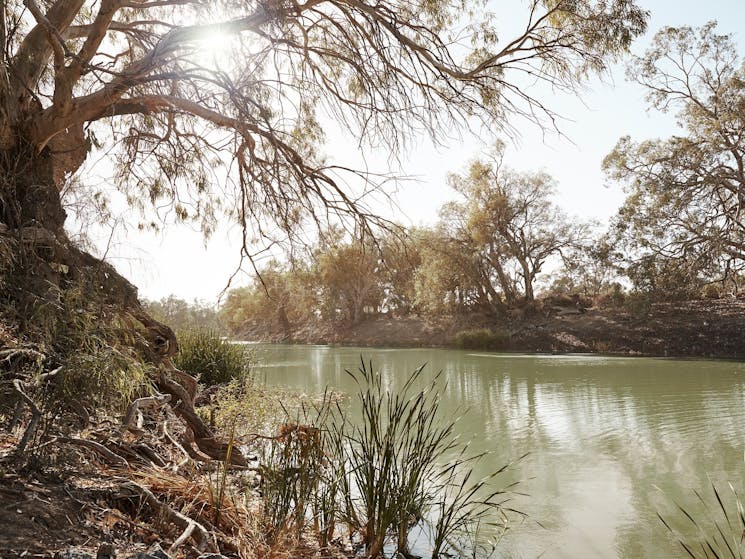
x=492, y=250
x=183, y=315
x=680, y=234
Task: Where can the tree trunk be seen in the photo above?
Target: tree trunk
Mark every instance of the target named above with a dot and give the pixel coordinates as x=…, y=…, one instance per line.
x=527, y=280
x=28, y=194
x=45, y=264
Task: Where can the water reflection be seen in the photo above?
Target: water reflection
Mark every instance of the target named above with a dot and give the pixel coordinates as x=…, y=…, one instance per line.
x=603, y=434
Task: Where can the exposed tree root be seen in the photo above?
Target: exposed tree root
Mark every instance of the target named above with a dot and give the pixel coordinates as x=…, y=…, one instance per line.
x=203, y=436
x=112, y=457
x=35, y=416
x=133, y=417
x=191, y=528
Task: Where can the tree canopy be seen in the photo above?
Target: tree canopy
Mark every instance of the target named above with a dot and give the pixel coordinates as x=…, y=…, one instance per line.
x=138, y=74
x=511, y=221
x=687, y=192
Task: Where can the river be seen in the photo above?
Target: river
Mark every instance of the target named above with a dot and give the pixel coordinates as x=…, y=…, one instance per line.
x=611, y=441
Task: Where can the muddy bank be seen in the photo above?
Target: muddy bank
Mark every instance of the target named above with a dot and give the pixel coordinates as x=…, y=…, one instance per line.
x=705, y=328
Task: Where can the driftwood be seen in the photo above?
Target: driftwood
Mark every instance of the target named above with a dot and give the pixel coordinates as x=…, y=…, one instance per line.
x=191, y=528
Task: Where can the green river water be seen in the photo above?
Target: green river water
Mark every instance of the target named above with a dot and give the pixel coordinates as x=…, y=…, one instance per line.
x=610, y=441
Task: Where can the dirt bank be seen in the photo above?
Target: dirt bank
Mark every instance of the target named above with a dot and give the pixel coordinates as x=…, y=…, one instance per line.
x=704, y=328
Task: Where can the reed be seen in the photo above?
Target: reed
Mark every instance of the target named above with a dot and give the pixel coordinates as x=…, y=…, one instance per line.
x=390, y=468
x=713, y=528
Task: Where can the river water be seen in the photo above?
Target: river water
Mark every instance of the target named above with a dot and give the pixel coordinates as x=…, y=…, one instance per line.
x=611, y=441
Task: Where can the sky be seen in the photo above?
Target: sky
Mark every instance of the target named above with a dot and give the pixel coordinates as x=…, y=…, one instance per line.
x=181, y=262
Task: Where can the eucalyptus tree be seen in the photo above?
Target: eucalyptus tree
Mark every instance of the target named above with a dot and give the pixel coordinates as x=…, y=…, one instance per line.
x=348, y=271
x=686, y=193
x=510, y=217
x=135, y=74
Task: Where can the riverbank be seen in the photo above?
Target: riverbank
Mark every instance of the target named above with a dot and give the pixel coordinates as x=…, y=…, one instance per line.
x=702, y=328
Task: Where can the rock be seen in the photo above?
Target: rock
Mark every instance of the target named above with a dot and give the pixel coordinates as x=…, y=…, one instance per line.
x=73, y=554
x=155, y=552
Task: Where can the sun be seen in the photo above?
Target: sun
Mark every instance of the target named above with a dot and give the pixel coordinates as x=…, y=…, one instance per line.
x=215, y=47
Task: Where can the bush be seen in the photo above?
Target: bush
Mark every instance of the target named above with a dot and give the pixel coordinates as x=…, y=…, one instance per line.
x=482, y=338
x=215, y=359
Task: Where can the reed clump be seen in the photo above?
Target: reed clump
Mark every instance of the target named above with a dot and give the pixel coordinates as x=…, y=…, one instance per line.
x=712, y=526
x=379, y=470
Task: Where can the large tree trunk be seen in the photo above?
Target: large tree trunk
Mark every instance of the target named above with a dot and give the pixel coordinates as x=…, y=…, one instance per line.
x=45, y=264
x=29, y=196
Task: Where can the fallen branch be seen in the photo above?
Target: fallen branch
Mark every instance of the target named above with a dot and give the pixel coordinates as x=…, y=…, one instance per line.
x=98, y=448
x=191, y=528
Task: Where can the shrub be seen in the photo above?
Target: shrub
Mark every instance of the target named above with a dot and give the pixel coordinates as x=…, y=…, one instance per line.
x=215, y=359
x=482, y=338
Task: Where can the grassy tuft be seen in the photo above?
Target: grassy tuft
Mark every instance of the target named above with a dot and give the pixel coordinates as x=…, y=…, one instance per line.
x=713, y=526
x=216, y=360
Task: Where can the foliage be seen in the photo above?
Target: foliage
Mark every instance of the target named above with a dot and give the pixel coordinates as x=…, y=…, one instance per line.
x=482, y=338
x=149, y=77
x=397, y=465
x=180, y=314
x=295, y=474
x=78, y=356
x=449, y=277
x=392, y=474
x=686, y=192
x=348, y=276
x=662, y=279
x=589, y=269
x=281, y=298
x=512, y=222
x=215, y=359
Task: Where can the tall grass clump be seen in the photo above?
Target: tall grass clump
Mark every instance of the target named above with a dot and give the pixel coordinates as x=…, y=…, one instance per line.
x=402, y=466
x=215, y=359
x=294, y=471
x=713, y=527
x=482, y=338
x=383, y=472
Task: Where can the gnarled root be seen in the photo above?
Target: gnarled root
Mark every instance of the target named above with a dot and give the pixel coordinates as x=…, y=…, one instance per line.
x=203, y=436
x=132, y=419
x=191, y=528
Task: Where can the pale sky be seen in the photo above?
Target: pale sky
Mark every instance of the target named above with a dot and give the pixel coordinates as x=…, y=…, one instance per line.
x=178, y=261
